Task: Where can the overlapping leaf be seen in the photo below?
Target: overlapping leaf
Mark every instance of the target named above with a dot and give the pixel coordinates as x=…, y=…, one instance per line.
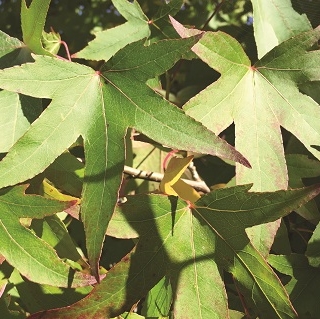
x=192, y=247
x=41, y=297
x=158, y=300
x=260, y=99
x=100, y=106
x=313, y=248
x=33, y=19
x=172, y=184
x=137, y=27
x=17, y=110
x=304, y=283
x=299, y=167
x=274, y=22
x=34, y=259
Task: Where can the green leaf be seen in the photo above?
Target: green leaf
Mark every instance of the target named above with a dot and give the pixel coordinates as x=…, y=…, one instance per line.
x=236, y=314
x=33, y=258
x=12, y=51
x=51, y=42
x=53, y=231
x=304, y=283
x=313, y=249
x=146, y=158
x=67, y=173
x=192, y=247
x=110, y=41
x=100, y=106
x=274, y=22
x=161, y=27
x=42, y=297
x=33, y=19
x=115, y=294
x=158, y=300
x=138, y=27
x=7, y=312
x=301, y=166
x=17, y=112
x=259, y=99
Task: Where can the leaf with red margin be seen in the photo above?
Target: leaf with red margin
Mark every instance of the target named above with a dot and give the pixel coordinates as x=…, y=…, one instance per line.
x=100, y=106
x=192, y=249
x=259, y=99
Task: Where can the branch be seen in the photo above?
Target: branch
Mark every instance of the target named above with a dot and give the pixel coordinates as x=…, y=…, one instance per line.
x=157, y=177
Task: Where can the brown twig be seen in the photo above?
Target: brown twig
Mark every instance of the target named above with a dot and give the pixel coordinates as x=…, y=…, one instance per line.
x=194, y=173
x=157, y=177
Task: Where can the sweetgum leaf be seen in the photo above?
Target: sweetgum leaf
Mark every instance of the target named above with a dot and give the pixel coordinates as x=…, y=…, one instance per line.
x=259, y=99
x=313, y=248
x=67, y=173
x=301, y=166
x=274, y=22
x=53, y=231
x=110, y=41
x=192, y=247
x=302, y=276
x=33, y=258
x=12, y=51
x=33, y=19
x=42, y=297
x=160, y=25
x=17, y=110
x=158, y=300
x=137, y=27
x=100, y=106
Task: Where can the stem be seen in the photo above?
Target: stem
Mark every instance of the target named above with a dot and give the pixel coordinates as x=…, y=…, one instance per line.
x=216, y=10
x=157, y=177
x=67, y=49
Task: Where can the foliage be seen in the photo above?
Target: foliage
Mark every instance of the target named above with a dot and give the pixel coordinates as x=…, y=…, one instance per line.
x=85, y=236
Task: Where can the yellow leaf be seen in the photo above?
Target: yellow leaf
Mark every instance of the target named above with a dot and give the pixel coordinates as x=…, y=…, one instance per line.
x=50, y=191
x=185, y=191
x=171, y=183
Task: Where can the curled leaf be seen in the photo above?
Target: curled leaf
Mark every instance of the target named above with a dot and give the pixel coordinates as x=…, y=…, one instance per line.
x=172, y=184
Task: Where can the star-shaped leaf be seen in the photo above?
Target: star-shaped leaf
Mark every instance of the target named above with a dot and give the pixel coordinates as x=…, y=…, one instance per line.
x=100, y=106
x=33, y=19
x=274, y=22
x=204, y=241
x=302, y=276
x=137, y=27
x=259, y=99
x=34, y=258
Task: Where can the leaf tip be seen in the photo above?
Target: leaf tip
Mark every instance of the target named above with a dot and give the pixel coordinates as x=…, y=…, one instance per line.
x=185, y=32
x=245, y=162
